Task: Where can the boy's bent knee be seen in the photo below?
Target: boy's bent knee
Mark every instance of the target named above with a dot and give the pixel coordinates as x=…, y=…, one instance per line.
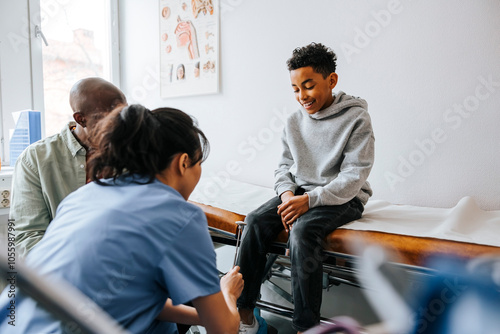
x=304, y=231
x=251, y=218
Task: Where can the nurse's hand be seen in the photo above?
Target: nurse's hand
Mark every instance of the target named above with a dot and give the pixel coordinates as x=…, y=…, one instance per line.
x=218, y=312
x=231, y=284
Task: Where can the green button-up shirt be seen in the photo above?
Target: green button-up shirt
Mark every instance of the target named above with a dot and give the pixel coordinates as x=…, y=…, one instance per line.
x=44, y=174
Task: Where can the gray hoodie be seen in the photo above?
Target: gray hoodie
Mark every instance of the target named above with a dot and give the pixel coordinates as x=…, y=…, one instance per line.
x=329, y=153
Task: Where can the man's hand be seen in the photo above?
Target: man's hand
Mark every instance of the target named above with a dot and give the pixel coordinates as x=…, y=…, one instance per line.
x=292, y=207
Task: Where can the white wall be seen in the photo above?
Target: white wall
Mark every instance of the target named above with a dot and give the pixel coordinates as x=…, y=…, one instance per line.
x=423, y=67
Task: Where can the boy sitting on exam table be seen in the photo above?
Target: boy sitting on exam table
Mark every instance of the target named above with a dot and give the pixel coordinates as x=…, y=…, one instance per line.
x=328, y=152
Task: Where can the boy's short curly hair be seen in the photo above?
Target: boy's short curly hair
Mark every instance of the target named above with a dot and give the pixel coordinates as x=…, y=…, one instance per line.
x=321, y=58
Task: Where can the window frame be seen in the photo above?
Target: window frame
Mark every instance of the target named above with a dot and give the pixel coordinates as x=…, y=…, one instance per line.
x=2, y=139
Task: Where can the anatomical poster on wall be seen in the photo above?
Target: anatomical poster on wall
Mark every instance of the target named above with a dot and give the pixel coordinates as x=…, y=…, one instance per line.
x=189, y=47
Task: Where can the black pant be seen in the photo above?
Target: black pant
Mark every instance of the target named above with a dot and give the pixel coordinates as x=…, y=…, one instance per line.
x=306, y=243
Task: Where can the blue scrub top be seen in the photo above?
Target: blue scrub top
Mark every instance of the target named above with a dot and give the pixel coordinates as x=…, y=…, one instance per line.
x=127, y=246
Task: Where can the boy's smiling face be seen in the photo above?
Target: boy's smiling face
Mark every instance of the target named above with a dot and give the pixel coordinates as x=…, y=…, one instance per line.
x=312, y=91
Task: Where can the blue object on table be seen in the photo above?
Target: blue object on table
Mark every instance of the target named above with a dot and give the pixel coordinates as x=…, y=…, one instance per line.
x=28, y=130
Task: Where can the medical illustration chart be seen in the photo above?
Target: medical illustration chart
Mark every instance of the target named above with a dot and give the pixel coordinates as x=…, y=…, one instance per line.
x=189, y=47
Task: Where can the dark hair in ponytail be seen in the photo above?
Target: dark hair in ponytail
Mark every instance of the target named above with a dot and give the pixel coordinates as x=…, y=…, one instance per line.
x=136, y=140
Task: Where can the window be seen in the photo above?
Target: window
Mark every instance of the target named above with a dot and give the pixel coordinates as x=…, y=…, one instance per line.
x=77, y=33
x=82, y=37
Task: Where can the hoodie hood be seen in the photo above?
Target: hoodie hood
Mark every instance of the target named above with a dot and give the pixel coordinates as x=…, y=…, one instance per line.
x=341, y=101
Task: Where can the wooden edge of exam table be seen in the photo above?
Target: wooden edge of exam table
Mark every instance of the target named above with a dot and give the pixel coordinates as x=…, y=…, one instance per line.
x=408, y=252
x=414, y=251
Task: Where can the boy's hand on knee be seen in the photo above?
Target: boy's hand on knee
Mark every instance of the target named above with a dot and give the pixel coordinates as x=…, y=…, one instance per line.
x=293, y=208
x=285, y=197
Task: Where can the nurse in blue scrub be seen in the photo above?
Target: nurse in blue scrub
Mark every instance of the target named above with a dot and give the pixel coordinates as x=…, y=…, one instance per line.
x=130, y=240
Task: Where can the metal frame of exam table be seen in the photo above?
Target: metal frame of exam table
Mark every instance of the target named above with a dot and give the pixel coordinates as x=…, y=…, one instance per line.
x=339, y=266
